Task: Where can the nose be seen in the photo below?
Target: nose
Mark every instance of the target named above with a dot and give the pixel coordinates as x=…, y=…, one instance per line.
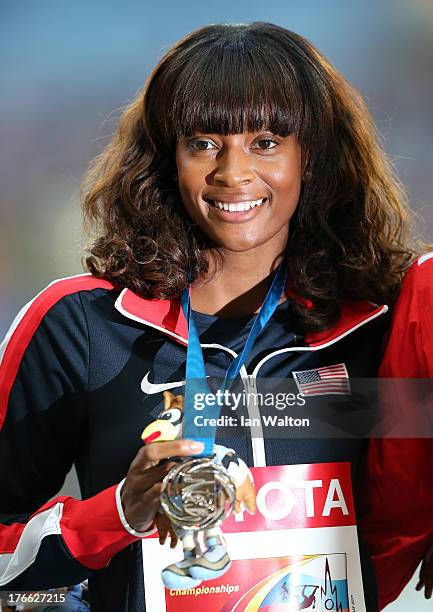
x=233, y=168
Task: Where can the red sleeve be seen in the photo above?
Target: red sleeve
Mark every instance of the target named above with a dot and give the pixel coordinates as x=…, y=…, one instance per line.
x=396, y=478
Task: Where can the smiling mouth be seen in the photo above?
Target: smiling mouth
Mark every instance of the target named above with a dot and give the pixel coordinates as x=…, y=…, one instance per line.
x=238, y=206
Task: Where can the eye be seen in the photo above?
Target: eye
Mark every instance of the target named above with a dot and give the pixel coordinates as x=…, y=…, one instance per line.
x=200, y=145
x=174, y=415
x=266, y=144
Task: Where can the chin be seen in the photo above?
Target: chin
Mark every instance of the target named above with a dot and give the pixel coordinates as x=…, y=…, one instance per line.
x=239, y=246
x=237, y=241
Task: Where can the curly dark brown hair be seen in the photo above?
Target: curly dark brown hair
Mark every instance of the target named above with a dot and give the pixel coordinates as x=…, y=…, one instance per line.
x=350, y=235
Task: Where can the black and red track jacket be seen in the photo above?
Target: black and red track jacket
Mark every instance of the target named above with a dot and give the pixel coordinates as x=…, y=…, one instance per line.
x=81, y=371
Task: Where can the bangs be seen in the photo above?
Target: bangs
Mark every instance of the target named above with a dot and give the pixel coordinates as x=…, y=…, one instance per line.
x=235, y=84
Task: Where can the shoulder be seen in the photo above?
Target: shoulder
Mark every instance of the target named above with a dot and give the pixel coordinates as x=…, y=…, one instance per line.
x=416, y=291
x=420, y=274
x=54, y=306
x=409, y=351
x=50, y=331
x=423, y=259
x=61, y=291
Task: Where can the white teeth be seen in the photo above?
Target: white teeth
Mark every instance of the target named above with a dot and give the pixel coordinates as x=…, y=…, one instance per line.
x=240, y=206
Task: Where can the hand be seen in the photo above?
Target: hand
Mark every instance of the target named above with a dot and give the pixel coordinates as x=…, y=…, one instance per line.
x=165, y=528
x=426, y=576
x=141, y=491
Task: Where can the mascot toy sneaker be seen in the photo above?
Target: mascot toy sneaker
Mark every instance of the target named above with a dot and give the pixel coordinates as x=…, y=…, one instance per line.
x=205, y=554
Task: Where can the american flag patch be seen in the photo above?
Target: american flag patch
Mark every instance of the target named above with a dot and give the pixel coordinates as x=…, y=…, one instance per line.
x=332, y=379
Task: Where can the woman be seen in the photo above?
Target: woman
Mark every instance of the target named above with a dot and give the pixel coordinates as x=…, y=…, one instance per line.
x=245, y=145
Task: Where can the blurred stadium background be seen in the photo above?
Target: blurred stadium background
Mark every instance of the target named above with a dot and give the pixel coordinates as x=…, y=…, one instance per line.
x=69, y=68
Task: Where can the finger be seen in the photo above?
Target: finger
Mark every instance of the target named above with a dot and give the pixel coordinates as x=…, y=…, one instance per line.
x=426, y=574
x=151, y=455
x=237, y=507
x=419, y=586
x=162, y=532
x=140, y=480
x=427, y=580
x=174, y=539
x=157, y=451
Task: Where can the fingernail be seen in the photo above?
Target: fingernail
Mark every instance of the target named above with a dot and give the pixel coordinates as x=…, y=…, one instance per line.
x=195, y=446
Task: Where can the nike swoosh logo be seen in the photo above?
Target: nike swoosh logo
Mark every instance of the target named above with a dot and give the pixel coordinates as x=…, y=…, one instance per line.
x=151, y=388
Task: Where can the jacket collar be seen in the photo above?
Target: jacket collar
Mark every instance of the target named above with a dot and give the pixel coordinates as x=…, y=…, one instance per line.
x=167, y=316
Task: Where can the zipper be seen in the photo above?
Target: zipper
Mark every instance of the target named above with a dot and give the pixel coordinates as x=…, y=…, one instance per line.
x=256, y=429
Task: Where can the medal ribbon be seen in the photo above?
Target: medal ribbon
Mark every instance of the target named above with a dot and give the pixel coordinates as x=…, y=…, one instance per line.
x=195, y=367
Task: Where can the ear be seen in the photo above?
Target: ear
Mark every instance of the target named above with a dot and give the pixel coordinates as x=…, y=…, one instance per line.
x=168, y=399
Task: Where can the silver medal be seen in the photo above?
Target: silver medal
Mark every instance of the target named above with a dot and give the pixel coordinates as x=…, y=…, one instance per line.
x=198, y=494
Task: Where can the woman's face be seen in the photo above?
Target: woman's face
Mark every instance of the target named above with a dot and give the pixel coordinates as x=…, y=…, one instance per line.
x=241, y=189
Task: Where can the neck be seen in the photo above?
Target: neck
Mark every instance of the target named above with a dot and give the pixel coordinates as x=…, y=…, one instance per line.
x=238, y=286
